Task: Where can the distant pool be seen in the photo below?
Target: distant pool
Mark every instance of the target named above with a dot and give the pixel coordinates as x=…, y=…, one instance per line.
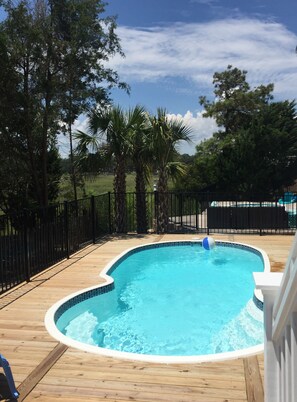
x=255, y=204
x=171, y=301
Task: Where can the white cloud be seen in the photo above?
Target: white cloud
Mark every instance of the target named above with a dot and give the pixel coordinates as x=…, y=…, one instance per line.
x=195, y=51
x=203, y=128
x=81, y=124
x=203, y=1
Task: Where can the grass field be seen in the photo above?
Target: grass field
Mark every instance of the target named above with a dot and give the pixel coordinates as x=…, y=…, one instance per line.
x=95, y=185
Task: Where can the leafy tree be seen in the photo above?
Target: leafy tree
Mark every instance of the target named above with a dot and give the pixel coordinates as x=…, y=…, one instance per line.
x=186, y=158
x=166, y=134
x=259, y=159
x=26, y=121
x=265, y=154
x=204, y=171
x=87, y=41
x=256, y=150
x=235, y=103
x=52, y=55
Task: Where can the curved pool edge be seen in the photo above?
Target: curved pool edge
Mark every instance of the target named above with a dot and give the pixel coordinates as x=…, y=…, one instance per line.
x=52, y=329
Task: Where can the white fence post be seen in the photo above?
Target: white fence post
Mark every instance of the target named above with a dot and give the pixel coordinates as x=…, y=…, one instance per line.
x=269, y=283
x=294, y=355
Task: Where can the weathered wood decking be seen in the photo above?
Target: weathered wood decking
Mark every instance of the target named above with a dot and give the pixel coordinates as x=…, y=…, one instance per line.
x=45, y=370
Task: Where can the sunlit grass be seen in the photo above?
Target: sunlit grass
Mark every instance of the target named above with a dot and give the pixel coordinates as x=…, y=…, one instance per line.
x=95, y=185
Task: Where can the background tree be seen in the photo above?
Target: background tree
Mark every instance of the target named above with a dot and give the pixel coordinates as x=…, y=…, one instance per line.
x=29, y=126
x=203, y=173
x=264, y=156
x=52, y=58
x=87, y=42
x=235, y=103
x=256, y=153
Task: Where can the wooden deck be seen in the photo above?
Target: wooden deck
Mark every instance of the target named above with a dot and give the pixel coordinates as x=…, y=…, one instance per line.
x=45, y=370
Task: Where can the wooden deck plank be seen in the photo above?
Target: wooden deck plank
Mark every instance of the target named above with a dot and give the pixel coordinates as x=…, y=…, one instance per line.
x=204, y=376
x=254, y=386
x=151, y=378
x=79, y=376
x=38, y=373
x=128, y=385
x=87, y=394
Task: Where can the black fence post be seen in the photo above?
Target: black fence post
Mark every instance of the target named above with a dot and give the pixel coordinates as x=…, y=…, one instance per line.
x=93, y=217
x=27, y=245
x=196, y=213
x=156, y=209
x=181, y=209
x=261, y=218
x=66, y=228
x=207, y=203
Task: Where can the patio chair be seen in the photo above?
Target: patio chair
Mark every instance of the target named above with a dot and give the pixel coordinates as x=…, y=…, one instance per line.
x=7, y=371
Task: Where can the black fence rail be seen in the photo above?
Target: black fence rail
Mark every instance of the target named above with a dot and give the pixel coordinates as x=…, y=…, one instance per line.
x=38, y=238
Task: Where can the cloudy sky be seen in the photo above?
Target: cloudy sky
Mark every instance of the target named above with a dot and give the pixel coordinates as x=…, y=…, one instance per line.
x=173, y=48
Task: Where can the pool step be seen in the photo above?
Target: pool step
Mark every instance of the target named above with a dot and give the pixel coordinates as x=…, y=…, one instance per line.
x=241, y=331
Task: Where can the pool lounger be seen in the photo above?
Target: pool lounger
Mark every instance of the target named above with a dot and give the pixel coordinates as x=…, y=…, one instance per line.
x=5, y=365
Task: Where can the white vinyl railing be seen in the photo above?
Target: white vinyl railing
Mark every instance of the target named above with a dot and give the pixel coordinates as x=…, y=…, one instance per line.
x=280, y=324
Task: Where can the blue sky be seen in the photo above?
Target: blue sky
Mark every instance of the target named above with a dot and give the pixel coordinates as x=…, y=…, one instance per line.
x=173, y=48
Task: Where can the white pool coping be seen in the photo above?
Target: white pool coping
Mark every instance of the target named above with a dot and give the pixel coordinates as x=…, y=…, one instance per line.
x=51, y=327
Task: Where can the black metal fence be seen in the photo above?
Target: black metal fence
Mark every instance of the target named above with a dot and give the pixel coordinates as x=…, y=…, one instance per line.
x=38, y=238
x=217, y=212
x=35, y=239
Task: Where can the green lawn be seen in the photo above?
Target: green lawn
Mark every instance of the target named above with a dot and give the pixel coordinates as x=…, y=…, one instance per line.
x=96, y=185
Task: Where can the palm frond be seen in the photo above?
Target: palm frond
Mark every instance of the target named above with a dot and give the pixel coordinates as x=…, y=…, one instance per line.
x=86, y=142
x=175, y=170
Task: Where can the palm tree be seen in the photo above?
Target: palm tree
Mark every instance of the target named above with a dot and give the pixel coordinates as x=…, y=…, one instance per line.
x=141, y=156
x=165, y=134
x=117, y=128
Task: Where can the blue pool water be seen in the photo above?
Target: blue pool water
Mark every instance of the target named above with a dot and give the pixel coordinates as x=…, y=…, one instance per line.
x=177, y=300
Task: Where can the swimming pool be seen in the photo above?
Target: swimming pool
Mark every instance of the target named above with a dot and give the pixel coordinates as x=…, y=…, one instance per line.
x=196, y=308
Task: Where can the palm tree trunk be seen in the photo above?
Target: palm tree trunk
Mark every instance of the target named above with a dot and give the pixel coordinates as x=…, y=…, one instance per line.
x=163, y=202
x=141, y=208
x=120, y=195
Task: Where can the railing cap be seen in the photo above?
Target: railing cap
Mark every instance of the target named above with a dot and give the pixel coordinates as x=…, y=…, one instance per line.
x=268, y=281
